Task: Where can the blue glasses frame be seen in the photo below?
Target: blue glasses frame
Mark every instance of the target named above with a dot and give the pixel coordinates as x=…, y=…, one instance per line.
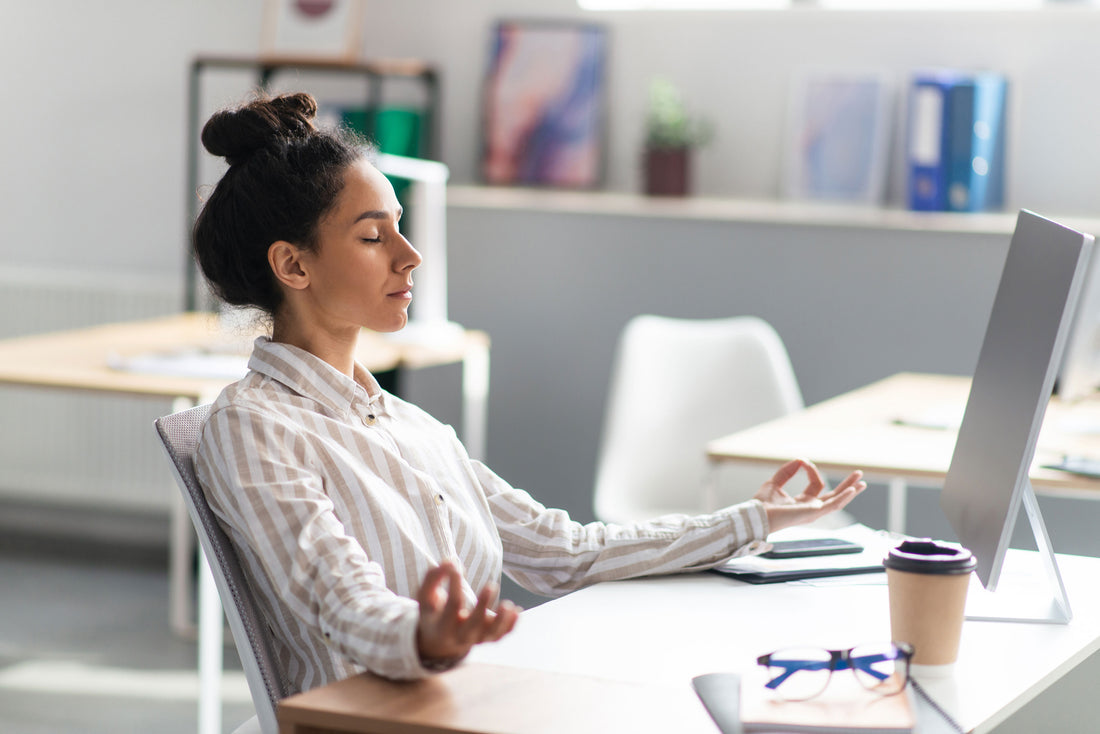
x=842, y=660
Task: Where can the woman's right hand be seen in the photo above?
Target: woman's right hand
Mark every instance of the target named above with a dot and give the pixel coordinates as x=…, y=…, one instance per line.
x=447, y=628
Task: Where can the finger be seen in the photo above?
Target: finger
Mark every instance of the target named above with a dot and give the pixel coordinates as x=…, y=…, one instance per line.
x=429, y=596
x=472, y=628
x=785, y=472
x=452, y=610
x=815, y=483
x=507, y=614
x=852, y=480
x=842, y=498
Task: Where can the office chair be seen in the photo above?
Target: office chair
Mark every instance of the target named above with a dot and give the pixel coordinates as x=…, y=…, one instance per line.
x=179, y=433
x=677, y=384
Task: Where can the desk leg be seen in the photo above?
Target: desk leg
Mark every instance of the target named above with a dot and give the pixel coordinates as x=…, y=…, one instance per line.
x=475, y=399
x=210, y=617
x=181, y=548
x=896, y=505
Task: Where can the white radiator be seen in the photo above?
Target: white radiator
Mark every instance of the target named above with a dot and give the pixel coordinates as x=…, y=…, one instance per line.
x=80, y=450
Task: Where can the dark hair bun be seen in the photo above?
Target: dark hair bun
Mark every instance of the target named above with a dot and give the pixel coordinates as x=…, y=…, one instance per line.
x=236, y=134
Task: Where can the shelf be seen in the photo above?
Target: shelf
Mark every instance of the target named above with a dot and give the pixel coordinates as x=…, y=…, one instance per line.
x=749, y=211
x=380, y=67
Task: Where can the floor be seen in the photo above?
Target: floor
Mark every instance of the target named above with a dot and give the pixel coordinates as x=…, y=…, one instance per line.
x=86, y=648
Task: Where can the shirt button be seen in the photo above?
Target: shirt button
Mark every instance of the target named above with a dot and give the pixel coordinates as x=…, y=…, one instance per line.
x=371, y=419
x=439, y=499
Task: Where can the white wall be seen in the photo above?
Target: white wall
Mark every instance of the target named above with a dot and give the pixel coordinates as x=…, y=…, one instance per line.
x=735, y=68
x=92, y=134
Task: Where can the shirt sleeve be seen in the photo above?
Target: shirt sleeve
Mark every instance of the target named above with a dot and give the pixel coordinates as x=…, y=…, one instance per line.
x=548, y=553
x=262, y=481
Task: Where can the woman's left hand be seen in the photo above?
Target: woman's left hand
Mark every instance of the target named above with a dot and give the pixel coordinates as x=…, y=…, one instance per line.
x=447, y=628
x=815, y=501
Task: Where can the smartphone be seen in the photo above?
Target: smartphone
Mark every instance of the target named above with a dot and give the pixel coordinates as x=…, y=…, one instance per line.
x=811, y=547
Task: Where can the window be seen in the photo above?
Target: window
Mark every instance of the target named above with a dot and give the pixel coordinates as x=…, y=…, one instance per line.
x=827, y=4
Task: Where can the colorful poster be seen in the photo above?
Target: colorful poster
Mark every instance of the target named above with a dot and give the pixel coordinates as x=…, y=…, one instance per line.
x=544, y=105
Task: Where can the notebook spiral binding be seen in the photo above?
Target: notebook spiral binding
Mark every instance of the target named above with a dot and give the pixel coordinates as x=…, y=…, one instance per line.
x=935, y=706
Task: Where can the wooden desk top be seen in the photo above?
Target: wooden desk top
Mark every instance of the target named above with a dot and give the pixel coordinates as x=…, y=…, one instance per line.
x=875, y=429
x=494, y=699
x=81, y=359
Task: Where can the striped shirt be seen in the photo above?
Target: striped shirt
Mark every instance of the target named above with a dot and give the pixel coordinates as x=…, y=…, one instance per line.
x=340, y=496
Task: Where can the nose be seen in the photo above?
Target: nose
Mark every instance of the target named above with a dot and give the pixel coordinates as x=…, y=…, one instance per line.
x=408, y=257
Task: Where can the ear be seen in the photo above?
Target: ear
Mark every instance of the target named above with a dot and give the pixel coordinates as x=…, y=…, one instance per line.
x=285, y=260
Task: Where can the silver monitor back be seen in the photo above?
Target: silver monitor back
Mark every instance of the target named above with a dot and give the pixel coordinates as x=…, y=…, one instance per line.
x=1019, y=359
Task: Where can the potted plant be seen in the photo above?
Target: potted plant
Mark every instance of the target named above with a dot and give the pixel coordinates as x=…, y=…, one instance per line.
x=671, y=134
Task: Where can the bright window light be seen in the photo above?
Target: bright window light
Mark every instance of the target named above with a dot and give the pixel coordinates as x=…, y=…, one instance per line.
x=830, y=4
x=930, y=4
x=682, y=4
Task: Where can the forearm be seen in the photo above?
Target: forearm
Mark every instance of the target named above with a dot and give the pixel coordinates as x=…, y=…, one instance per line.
x=551, y=554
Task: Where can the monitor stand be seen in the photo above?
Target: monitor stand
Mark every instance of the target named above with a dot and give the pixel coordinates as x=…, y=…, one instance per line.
x=1030, y=587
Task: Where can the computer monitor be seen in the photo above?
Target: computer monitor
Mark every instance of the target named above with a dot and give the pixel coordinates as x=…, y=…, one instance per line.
x=987, y=481
x=1079, y=376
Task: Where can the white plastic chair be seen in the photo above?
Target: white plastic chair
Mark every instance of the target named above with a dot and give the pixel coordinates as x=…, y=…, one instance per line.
x=677, y=384
x=267, y=684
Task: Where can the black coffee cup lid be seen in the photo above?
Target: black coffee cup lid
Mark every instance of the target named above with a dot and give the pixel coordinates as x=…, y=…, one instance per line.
x=930, y=556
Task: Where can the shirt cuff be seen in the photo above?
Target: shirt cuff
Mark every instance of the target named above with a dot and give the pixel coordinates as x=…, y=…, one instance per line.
x=748, y=523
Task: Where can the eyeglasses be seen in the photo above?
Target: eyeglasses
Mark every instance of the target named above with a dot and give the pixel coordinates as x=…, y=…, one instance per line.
x=799, y=674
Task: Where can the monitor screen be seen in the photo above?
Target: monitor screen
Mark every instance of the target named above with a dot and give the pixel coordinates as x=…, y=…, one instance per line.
x=1039, y=288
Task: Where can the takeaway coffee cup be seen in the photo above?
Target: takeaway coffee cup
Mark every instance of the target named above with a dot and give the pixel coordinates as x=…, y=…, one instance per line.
x=927, y=583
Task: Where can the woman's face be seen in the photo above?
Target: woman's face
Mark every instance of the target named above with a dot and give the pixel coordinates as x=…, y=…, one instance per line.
x=361, y=270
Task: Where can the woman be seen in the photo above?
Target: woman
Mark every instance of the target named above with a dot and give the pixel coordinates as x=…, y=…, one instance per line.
x=370, y=537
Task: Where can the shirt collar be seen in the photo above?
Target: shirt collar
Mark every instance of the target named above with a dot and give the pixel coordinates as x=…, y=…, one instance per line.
x=310, y=376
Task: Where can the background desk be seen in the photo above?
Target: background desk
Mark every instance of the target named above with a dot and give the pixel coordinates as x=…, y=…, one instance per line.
x=646, y=639
x=860, y=429
x=81, y=360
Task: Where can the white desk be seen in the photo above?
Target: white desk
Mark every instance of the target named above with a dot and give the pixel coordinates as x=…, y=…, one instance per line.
x=664, y=631
x=860, y=430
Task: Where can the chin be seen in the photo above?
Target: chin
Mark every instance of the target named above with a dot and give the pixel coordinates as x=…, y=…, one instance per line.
x=401, y=324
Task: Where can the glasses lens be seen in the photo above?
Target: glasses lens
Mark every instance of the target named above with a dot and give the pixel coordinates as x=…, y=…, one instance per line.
x=881, y=668
x=799, y=673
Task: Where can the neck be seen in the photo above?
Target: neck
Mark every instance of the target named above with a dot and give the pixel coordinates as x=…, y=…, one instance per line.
x=336, y=346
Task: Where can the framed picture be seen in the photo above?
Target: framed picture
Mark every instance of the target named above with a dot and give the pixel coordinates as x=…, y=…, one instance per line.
x=838, y=141
x=327, y=29
x=544, y=105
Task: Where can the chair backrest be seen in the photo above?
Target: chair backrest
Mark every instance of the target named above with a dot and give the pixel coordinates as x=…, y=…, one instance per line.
x=677, y=384
x=179, y=433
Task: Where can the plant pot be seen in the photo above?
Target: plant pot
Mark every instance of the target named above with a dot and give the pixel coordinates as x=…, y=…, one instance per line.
x=667, y=171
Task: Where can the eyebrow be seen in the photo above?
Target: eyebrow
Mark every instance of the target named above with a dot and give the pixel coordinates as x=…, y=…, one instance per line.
x=378, y=214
